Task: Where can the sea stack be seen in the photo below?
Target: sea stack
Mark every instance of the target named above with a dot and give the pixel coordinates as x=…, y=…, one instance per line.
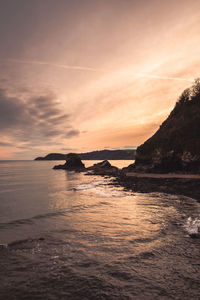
x=73, y=163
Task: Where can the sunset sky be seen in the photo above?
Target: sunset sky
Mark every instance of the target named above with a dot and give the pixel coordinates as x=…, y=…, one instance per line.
x=82, y=75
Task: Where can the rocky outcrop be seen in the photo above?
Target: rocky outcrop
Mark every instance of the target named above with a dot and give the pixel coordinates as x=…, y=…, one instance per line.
x=103, y=168
x=73, y=163
x=102, y=164
x=175, y=147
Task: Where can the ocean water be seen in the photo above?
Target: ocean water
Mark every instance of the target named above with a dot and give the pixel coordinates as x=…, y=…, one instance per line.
x=65, y=235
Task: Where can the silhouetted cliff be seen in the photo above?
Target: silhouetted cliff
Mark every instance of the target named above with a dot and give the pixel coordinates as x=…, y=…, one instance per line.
x=175, y=147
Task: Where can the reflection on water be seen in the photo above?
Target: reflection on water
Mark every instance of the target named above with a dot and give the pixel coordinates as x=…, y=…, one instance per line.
x=72, y=236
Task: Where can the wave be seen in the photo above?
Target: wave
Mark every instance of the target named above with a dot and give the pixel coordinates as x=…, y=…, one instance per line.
x=3, y=246
x=30, y=221
x=192, y=226
x=87, y=186
x=110, y=193
x=18, y=243
x=21, y=244
x=101, y=189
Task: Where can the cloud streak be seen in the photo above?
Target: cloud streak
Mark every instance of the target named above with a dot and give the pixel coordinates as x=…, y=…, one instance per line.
x=83, y=68
x=4, y=144
x=43, y=63
x=164, y=77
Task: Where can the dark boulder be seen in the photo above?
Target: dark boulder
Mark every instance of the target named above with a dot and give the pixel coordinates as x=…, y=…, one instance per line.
x=103, y=168
x=59, y=167
x=130, y=168
x=102, y=164
x=73, y=163
x=194, y=235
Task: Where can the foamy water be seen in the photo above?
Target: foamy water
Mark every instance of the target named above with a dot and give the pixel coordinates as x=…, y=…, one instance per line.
x=64, y=235
x=192, y=226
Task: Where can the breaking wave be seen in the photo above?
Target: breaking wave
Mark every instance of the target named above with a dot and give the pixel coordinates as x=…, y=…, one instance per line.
x=101, y=189
x=192, y=226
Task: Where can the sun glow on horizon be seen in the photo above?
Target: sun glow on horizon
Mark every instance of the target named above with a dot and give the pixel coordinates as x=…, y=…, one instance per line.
x=100, y=74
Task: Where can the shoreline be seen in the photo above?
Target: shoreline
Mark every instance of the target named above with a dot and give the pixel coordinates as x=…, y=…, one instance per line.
x=185, y=184
x=171, y=183
x=182, y=184
x=165, y=176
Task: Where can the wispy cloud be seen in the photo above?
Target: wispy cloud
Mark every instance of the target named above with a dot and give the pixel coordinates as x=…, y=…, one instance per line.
x=164, y=77
x=83, y=68
x=44, y=63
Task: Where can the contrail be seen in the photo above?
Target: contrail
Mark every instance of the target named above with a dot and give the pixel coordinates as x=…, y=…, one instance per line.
x=35, y=62
x=164, y=77
x=81, y=68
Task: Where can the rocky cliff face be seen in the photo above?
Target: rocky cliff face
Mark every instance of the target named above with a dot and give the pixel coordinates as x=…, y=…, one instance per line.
x=175, y=147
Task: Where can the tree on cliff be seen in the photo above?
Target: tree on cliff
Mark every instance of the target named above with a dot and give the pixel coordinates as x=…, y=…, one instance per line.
x=190, y=94
x=185, y=96
x=196, y=89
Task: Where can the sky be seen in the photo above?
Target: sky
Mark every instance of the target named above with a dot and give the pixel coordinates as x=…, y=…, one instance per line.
x=82, y=75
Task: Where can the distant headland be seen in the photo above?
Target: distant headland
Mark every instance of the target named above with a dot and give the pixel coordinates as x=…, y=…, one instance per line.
x=128, y=154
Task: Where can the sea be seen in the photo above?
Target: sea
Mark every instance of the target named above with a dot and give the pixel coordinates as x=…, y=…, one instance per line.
x=65, y=235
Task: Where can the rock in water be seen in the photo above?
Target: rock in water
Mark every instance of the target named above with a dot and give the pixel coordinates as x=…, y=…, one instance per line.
x=3, y=246
x=73, y=163
x=194, y=235
x=104, y=168
x=102, y=164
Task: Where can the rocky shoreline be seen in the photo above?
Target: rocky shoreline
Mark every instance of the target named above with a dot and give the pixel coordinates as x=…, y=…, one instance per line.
x=189, y=187
x=181, y=186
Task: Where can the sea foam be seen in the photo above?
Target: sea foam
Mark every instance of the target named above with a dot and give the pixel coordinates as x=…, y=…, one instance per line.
x=192, y=226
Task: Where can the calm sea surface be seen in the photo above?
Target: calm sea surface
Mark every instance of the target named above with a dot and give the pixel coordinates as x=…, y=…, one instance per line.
x=65, y=235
